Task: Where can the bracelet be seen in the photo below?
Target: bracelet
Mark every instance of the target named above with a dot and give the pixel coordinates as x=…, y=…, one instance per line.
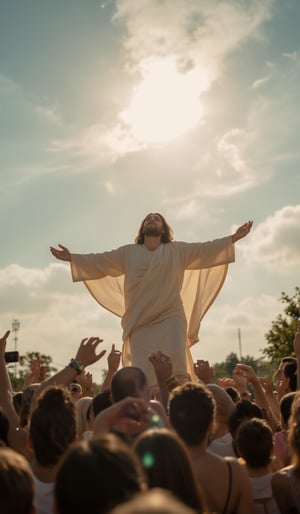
x=79, y=368
x=170, y=383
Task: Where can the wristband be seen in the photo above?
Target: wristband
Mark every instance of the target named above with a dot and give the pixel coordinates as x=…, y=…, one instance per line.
x=79, y=368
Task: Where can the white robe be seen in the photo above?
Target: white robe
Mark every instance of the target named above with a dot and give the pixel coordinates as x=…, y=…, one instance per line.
x=161, y=295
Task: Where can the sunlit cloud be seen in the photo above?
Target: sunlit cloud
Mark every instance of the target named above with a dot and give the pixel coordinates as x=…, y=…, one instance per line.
x=166, y=103
x=261, y=82
x=174, y=63
x=275, y=243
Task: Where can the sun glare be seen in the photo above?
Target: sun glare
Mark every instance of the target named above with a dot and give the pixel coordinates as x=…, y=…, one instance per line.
x=166, y=103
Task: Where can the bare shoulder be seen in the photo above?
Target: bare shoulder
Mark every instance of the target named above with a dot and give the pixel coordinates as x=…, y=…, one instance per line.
x=280, y=478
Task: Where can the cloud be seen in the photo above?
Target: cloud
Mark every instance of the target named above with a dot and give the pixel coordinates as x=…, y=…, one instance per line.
x=275, y=243
x=198, y=35
x=198, y=32
x=258, y=83
x=252, y=315
x=292, y=56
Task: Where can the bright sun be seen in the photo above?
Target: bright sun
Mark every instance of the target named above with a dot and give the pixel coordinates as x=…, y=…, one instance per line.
x=166, y=103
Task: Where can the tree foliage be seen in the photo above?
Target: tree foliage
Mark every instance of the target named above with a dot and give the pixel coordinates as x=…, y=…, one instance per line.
x=281, y=335
x=225, y=369
x=24, y=368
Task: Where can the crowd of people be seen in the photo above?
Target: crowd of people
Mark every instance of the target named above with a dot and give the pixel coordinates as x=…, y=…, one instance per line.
x=195, y=446
x=161, y=435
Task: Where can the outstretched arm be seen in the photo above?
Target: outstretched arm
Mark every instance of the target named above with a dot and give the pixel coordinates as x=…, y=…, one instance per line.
x=242, y=231
x=62, y=253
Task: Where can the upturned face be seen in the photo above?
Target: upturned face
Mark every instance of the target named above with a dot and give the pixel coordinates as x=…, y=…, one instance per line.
x=153, y=225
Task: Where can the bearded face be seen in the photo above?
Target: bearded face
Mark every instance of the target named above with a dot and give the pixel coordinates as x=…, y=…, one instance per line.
x=153, y=226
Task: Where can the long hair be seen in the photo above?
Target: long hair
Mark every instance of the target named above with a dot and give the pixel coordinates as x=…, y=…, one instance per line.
x=166, y=237
x=166, y=463
x=96, y=475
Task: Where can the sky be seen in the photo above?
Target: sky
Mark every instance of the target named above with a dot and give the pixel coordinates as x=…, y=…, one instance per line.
x=110, y=110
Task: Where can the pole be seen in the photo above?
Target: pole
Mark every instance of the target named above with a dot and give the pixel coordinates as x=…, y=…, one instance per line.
x=15, y=328
x=240, y=343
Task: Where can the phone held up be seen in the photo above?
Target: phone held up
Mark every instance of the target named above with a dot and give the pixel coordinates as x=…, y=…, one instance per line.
x=11, y=357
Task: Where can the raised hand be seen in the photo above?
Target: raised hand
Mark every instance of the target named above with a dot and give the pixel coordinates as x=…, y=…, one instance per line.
x=242, y=231
x=62, y=253
x=86, y=353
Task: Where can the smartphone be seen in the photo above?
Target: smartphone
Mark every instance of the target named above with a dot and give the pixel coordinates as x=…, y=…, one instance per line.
x=11, y=357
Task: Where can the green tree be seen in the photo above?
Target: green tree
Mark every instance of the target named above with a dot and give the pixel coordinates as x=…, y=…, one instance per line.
x=24, y=368
x=225, y=368
x=281, y=335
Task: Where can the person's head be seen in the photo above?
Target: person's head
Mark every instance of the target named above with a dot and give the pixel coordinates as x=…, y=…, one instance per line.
x=233, y=393
x=52, y=425
x=290, y=373
x=243, y=410
x=154, y=224
x=192, y=412
x=96, y=475
x=225, y=406
x=167, y=465
x=16, y=483
x=99, y=402
x=129, y=381
x=82, y=406
x=286, y=408
x=254, y=442
x=279, y=373
x=155, y=501
x=76, y=391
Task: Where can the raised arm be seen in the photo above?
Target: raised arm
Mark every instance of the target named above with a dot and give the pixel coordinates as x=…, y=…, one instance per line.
x=297, y=351
x=85, y=356
x=17, y=437
x=242, y=231
x=62, y=253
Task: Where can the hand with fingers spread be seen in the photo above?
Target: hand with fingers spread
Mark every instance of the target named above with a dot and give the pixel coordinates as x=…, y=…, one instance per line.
x=62, y=253
x=86, y=353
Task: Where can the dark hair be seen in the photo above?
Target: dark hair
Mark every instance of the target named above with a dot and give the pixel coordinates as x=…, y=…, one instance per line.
x=254, y=442
x=166, y=237
x=127, y=381
x=290, y=372
x=167, y=465
x=16, y=483
x=233, y=393
x=286, y=406
x=192, y=410
x=96, y=475
x=243, y=410
x=53, y=425
x=100, y=402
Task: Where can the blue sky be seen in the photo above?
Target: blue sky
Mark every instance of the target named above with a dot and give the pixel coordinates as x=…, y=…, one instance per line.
x=110, y=110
